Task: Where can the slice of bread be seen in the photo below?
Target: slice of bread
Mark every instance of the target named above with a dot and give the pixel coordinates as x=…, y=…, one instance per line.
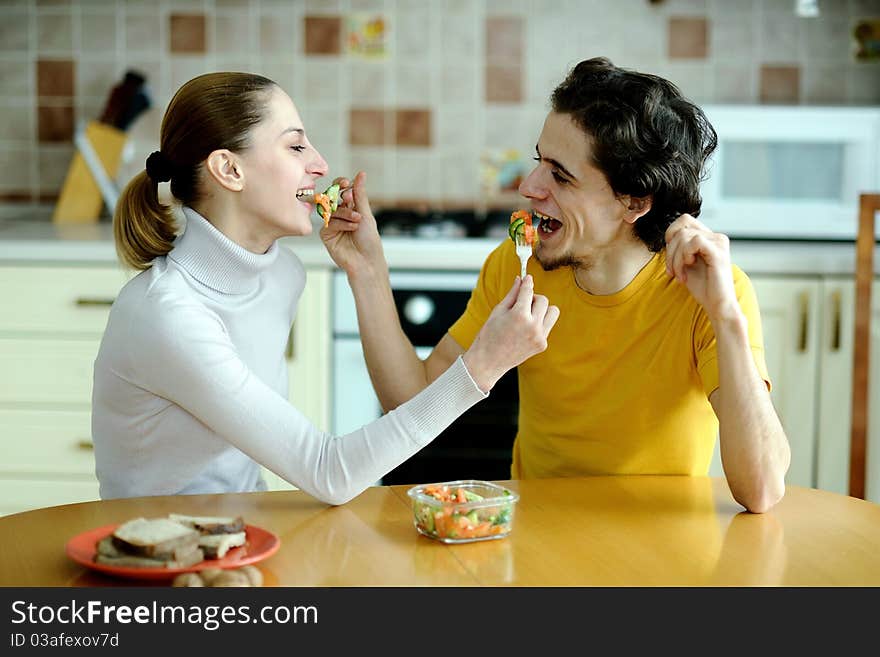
x=156, y=538
x=210, y=524
x=133, y=561
x=216, y=546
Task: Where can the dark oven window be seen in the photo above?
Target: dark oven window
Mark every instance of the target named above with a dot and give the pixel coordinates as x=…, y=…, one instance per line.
x=479, y=444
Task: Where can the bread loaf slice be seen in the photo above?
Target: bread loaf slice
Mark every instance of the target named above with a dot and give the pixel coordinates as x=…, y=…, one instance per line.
x=156, y=538
x=210, y=524
x=216, y=546
x=106, y=555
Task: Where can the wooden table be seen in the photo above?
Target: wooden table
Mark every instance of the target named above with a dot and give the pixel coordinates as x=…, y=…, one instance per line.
x=596, y=531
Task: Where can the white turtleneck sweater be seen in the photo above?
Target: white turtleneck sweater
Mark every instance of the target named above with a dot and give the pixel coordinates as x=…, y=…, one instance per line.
x=190, y=384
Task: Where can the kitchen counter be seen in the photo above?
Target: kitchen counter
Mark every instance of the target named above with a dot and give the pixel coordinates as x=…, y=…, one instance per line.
x=40, y=241
x=594, y=531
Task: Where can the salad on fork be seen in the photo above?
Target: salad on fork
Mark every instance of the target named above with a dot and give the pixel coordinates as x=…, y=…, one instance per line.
x=523, y=234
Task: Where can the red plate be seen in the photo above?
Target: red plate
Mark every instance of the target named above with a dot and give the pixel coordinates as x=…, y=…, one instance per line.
x=261, y=544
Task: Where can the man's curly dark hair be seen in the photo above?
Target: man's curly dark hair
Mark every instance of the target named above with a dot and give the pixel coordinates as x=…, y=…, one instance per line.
x=647, y=138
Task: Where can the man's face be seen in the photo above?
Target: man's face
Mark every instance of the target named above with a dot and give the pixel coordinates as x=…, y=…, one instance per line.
x=578, y=211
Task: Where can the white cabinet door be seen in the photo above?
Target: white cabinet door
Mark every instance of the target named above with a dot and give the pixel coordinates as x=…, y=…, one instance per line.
x=790, y=315
x=308, y=358
x=835, y=384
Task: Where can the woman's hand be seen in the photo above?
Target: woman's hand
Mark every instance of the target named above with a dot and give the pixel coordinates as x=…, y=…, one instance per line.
x=351, y=237
x=516, y=330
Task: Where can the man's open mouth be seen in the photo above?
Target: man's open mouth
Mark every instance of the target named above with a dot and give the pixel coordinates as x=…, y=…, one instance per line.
x=305, y=194
x=547, y=225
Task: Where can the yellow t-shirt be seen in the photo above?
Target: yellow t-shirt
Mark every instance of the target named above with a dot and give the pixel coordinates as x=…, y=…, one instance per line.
x=623, y=385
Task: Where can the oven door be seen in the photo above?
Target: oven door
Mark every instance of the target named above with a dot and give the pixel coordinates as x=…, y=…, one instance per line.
x=478, y=445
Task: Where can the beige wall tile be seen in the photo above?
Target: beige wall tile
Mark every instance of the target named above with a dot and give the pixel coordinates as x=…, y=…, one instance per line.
x=278, y=34
x=823, y=84
x=15, y=33
x=458, y=84
x=734, y=83
x=368, y=83
x=143, y=33
x=15, y=162
x=98, y=32
x=231, y=33
x=732, y=36
x=863, y=84
x=53, y=162
x=184, y=68
x=374, y=161
x=55, y=77
x=414, y=84
x=322, y=79
x=370, y=127
x=54, y=33
x=16, y=123
x=780, y=36
x=97, y=76
x=323, y=35
x=413, y=127
x=414, y=40
x=15, y=77
x=780, y=84
x=187, y=33
x=688, y=38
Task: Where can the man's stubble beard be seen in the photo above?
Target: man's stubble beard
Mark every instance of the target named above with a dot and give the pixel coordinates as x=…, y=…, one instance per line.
x=563, y=260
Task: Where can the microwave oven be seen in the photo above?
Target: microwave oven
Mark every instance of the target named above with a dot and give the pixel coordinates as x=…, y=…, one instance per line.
x=790, y=172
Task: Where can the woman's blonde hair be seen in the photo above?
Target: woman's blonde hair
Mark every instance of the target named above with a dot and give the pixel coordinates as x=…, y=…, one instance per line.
x=210, y=112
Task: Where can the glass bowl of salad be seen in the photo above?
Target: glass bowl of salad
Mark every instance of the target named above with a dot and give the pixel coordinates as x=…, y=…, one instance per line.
x=463, y=511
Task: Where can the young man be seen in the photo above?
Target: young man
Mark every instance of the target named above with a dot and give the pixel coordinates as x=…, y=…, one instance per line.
x=658, y=342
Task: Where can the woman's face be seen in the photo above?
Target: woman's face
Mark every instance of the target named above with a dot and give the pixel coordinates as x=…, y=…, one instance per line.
x=279, y=162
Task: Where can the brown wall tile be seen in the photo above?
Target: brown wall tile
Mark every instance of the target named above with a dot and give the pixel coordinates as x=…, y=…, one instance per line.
x=504, y=39
x=55, y=77
x=323, y=35
x=369, y=127
x=55, y=123
x=503, y=84
x=413, y=127
x=780, y=84
x=187, y=33
x=688, y=38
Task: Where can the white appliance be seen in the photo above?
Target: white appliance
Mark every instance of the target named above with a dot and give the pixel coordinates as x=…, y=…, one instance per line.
x=790, y=172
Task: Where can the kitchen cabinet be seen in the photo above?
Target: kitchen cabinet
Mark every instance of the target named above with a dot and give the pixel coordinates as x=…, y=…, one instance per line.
x=808, y=337
x=308, y=358
x=50, y=331
x=51, y=325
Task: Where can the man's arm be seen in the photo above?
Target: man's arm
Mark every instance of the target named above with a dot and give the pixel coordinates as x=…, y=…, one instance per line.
x=754, y=449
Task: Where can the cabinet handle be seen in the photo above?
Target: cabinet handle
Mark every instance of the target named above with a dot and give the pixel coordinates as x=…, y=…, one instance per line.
x=83, y=443
x=288, y=351
x=94, y=301
x=805, y=316
x=835, y=327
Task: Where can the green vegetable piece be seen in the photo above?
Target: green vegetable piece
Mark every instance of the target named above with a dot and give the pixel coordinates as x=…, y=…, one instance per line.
x=473, y=517
x=471, y=496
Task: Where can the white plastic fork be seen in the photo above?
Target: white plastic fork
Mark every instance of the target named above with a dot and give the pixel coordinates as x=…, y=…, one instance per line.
x=524, y=251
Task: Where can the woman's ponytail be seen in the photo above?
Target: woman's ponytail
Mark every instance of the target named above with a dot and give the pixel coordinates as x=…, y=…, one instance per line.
x=143, y=227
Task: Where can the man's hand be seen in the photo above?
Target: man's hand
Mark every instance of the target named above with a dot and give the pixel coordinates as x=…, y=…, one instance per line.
x=700, y=259
x=352, y=237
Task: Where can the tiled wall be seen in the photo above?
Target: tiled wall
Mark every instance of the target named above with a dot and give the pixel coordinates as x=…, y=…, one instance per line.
x=460, y=81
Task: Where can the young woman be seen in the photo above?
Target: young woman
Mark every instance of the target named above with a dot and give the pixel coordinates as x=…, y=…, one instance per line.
x=190, y=381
